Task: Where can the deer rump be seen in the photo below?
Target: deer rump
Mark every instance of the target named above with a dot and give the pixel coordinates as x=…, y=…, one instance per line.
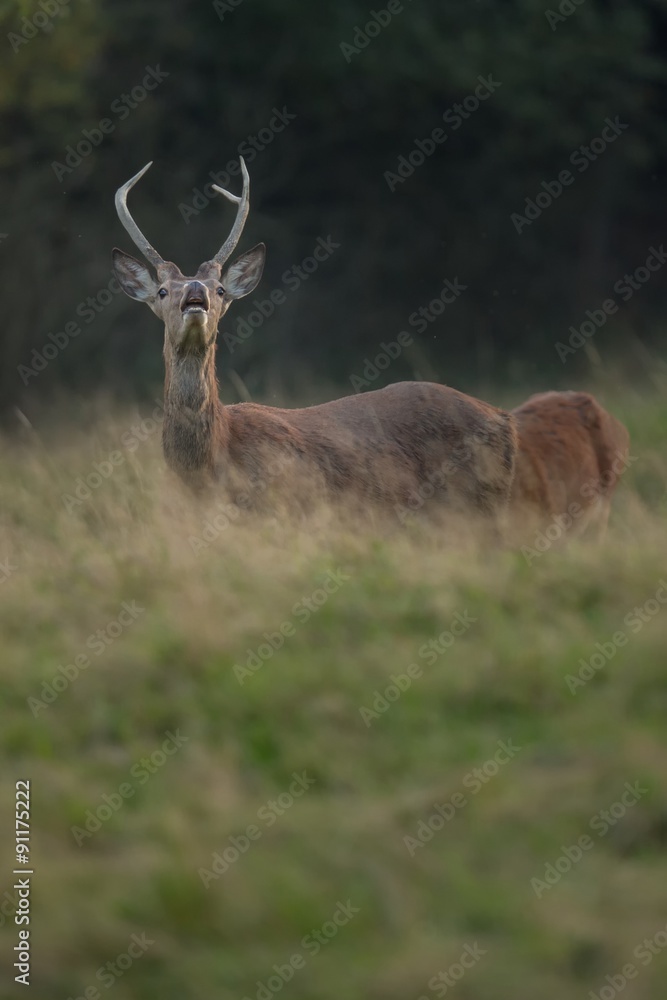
x=571, y=454
x=419, y=446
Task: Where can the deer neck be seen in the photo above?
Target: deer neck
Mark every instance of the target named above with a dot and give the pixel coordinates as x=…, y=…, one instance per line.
x=196, y=426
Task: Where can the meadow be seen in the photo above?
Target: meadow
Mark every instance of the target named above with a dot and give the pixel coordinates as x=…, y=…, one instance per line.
x=314, y=760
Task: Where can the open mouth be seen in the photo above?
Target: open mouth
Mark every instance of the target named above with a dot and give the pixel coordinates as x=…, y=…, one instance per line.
x=195, y=305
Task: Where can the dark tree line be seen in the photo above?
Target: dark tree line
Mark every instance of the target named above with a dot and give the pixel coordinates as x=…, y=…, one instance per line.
x=516, y=150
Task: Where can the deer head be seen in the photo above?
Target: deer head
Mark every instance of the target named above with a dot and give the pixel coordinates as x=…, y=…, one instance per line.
x=191, y=308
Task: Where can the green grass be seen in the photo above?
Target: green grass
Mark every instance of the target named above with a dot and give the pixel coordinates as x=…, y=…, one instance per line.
x=171, y=669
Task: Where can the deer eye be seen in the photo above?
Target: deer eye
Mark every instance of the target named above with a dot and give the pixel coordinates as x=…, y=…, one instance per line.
x=162, y=292
x=220, y=290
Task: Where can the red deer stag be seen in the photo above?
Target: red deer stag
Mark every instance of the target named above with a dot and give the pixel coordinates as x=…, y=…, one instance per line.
x=410, y=445
x=570, y=456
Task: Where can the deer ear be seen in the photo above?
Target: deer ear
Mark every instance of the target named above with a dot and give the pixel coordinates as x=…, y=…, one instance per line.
x=242, y=277
x=135, y=279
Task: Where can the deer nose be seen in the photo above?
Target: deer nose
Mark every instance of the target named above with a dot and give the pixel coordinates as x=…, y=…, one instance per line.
x=196, y=297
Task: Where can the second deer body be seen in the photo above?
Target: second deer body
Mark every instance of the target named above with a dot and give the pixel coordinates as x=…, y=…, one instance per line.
x=571, y=455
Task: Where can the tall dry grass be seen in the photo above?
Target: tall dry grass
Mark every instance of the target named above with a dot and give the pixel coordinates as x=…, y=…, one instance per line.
x=356, y=606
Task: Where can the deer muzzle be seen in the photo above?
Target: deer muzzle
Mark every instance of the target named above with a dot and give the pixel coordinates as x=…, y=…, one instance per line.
x=195, y=334
x=195, y=298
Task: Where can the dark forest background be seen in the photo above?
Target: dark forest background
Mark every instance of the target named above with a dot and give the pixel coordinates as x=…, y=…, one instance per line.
x=563, y=69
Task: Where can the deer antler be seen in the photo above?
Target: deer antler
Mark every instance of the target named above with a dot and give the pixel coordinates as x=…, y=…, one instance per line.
x=228, y=247
x=136, y=235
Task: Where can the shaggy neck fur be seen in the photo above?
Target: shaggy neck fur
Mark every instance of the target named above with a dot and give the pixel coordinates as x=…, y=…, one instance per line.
x=196, y=429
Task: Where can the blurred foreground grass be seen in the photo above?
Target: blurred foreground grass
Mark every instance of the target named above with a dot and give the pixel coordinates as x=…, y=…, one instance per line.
x=162, y=761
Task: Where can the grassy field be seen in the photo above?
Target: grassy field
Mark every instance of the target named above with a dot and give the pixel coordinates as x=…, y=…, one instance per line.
x=315, y=762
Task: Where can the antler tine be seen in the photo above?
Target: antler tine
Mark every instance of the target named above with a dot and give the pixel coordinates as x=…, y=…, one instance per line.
x=138, y=238
x=243, y=203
